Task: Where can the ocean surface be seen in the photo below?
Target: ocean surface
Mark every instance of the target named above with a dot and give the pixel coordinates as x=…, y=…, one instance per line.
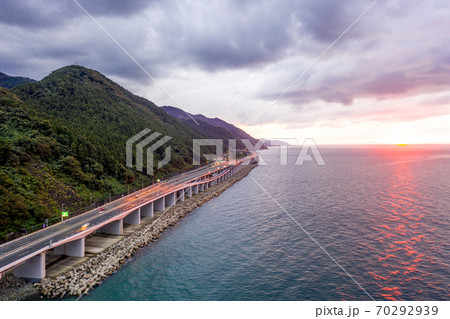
x=373, y=222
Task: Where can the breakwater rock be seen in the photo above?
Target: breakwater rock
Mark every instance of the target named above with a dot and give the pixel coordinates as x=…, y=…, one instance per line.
x=84, y=277
x=13, y=288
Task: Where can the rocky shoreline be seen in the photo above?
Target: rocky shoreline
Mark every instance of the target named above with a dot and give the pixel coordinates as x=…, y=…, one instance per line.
x=84, y=277
x=13, y=288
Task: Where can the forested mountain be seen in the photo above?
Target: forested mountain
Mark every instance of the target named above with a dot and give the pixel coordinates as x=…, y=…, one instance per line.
x=95, y=116
x=32, y=177
x=62, y=142
x=8, y=81
x=211, y=127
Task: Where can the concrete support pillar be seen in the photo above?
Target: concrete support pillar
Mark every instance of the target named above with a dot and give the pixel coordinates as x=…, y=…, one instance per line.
x=205, y=186
x=33, y=268
x=147, y=210
x=189, y=192
x=73, y=249
x=160, y=204
x=195, y=189
x=171, y=199
x=180, y=195
x=133, y=218
x=113, y=228
x=60, y=250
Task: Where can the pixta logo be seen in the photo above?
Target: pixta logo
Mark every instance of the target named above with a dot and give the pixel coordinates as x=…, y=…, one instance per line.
x=146, y=140
x=308, y=150
x=149, y=143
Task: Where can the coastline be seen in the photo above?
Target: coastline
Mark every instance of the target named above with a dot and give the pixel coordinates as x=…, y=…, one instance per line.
x=85, y=276
x=14, y=289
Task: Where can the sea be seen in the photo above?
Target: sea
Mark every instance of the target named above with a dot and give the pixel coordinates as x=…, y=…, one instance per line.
x=371, y=223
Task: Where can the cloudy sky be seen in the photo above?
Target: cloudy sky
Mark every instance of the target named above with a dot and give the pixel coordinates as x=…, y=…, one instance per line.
x=386, y=80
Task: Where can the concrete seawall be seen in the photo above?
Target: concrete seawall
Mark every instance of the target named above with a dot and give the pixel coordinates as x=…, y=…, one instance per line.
x=86, y=276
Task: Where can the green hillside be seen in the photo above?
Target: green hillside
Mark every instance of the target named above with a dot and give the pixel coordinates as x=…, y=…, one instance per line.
x=30, y=188
x=9, y=82
x=62, y=141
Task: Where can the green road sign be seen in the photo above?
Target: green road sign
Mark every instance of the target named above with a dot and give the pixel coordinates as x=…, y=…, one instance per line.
x=65, y=214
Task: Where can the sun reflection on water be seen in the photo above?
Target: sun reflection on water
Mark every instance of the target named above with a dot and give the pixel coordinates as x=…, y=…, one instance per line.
x=398, y=230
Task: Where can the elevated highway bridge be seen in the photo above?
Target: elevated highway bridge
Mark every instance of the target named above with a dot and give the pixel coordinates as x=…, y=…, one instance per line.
x=26, y=255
